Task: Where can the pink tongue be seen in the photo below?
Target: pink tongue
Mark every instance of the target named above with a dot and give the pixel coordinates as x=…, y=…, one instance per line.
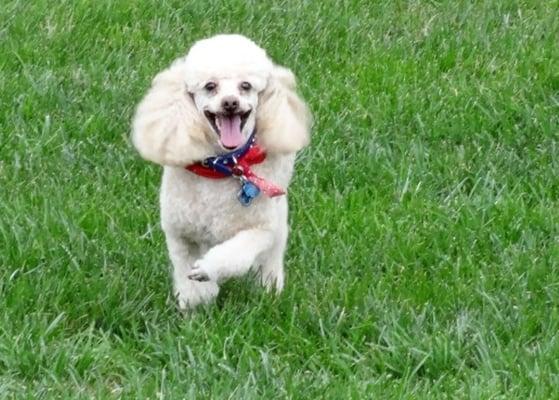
x=230, y=130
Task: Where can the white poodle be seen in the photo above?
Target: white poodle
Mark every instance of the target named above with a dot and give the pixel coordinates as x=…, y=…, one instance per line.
x=225, y=123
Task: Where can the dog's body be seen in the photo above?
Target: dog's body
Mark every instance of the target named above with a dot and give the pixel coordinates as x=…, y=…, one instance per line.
x=201, y=107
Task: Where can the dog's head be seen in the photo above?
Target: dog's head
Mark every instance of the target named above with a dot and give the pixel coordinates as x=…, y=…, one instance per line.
x=225, y=75
x=214, y=98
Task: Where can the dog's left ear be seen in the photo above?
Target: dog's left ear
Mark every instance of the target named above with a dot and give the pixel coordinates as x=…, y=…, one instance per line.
x=283, y=119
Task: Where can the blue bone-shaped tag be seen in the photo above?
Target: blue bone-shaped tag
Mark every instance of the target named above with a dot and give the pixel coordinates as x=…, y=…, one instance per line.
x=249, y=191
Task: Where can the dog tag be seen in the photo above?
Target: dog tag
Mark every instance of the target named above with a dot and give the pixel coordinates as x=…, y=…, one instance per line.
x=249, y=191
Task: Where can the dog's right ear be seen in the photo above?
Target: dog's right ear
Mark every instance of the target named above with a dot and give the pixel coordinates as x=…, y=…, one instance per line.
x=167, y=128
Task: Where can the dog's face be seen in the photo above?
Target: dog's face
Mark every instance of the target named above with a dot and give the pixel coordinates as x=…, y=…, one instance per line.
x=224, y=76
x=214, y=98
x=229, y=106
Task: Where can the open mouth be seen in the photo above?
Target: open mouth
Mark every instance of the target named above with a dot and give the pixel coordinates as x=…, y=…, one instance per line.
x=229, y=127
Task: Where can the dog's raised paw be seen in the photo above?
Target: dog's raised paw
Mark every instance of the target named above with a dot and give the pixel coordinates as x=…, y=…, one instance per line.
x=200, y=272
x=199, y=276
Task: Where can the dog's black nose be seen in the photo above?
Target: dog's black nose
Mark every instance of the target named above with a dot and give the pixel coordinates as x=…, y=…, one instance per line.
x=230, y=103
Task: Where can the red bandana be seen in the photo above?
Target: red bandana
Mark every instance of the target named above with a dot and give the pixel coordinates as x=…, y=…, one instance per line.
x=240, y=169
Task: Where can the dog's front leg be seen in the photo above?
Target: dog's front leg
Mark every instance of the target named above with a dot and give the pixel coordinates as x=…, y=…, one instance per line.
x=189, y=293
x=234, y=257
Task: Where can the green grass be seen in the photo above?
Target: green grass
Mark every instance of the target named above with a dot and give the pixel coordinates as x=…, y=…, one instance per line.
x=424, y=250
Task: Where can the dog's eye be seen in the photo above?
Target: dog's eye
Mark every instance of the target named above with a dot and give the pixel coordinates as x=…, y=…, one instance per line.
x=210, y=86
x=246, y=86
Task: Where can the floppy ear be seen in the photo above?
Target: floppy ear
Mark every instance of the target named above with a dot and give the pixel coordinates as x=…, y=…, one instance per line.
x=283, y=120
x=167, y=128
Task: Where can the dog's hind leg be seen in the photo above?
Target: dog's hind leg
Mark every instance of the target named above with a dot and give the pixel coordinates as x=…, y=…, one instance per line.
x=234, y=257
x=271, y=272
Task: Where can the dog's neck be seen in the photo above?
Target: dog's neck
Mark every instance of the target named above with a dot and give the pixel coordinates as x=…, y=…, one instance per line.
x=238, y=164
x=232, y=156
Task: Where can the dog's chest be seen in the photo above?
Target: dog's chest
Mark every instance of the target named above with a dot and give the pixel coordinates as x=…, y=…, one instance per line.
x=207, y=210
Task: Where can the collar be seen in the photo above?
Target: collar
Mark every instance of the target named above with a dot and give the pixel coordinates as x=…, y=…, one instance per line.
x=238, y=164
x=218, y=167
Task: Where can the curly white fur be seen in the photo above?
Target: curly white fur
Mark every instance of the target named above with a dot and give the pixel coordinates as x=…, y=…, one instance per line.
x=209, y=234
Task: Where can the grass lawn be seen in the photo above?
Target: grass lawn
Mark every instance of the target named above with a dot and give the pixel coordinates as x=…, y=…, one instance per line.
x=424, y=251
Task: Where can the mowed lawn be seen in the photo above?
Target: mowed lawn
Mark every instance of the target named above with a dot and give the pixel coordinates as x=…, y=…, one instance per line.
x=424, y=249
